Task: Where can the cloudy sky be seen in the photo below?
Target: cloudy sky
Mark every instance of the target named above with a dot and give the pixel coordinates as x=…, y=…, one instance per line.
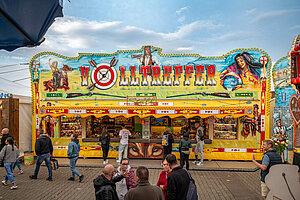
x=210, y=28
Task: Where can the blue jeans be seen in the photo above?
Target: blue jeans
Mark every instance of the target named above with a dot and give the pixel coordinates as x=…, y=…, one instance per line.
x=72, y=167
x=40, y=160
x=9, y=168
x=17, y=164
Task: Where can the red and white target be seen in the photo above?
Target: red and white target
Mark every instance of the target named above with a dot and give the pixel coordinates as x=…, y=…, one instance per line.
x=263, y=60
x=103, y=76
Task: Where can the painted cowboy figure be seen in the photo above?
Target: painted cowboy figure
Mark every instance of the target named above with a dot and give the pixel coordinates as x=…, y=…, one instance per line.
x=281, y=131
x=256, y=121
x=147, y=58
x=55, y=73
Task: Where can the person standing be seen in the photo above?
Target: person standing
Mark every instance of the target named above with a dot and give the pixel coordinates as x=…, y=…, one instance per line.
x=5, y=135
x=8, y=155
x=105, y=187
x=105, y=141
x=73, y=155
x=167, y=142
x=144, y=190
x=271, y=157
x=184, y=148
x=281, y=132
x=162, y=181
x=200, y=144
x=43, y=150
x=129, y=182
x=124, y=137
x=178, y=180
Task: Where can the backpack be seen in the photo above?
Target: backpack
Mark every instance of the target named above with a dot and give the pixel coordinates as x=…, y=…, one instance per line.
x=164, y=140
x=192, y=191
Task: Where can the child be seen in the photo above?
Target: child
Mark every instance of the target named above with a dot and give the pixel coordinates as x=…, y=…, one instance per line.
x=184, y=145
x=8, y=155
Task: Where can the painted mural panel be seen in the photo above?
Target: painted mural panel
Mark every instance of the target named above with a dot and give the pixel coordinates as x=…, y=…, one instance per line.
x=282, y=119
x=127, y=73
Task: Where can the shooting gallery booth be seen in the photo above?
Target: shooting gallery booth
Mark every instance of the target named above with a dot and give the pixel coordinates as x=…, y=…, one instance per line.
x=150, y=91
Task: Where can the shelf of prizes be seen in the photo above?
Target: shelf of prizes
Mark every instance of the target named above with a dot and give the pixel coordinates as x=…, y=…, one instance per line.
x=81, y=95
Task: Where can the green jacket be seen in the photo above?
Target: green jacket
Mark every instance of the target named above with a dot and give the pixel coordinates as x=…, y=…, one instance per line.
x=184, y=144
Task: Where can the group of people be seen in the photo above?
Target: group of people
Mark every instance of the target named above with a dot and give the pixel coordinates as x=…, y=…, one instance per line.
x=123, y=184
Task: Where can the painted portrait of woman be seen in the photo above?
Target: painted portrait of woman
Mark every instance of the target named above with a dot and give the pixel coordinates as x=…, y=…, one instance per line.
x=243, y=73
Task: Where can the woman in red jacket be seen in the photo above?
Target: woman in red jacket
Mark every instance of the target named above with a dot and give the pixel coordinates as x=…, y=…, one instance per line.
x=162, y=181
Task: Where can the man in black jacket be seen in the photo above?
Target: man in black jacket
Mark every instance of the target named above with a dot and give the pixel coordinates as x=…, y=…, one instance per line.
x=43, y=150
x=178, y=181
x=105, y=187
x=5, y=135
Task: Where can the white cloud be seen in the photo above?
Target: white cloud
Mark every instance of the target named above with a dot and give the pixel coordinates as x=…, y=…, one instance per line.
x=184, y=49
x=295, y=27
x=181, y=10
x=272, y=14
x=251, y=12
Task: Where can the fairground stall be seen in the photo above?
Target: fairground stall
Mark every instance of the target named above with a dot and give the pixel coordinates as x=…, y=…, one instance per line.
x=150, y=91
x=294, y=106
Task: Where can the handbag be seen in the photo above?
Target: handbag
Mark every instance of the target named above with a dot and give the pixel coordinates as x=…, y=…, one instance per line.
x=54, y=164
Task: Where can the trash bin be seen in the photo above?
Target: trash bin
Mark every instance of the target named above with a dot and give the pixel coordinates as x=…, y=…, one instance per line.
x=28, y=158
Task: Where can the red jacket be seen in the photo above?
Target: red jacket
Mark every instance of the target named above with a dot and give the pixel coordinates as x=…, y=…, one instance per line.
x=163, y=181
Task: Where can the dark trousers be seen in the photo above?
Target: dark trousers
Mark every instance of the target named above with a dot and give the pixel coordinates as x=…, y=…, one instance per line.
x=167, y=150
x=105, y=152
x=184, y=158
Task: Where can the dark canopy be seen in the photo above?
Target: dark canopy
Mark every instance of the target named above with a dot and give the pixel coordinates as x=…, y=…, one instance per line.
x=23, y=23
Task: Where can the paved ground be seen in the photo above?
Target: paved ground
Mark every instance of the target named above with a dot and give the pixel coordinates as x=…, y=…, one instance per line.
x=211, y=184
x=156, y=164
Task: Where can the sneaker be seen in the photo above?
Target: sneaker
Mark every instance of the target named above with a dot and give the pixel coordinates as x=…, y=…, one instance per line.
x=49, y=179
x=118, y=161
x=195, y=162
x=20, y=172
x=81, y=178
x=199, y=164
x=71, y=179
x=104, y=162
x=33, y=177
x=14, y=187
x=4, y=183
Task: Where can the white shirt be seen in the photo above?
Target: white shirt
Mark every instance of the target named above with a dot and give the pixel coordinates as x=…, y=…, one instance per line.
x=124, y=133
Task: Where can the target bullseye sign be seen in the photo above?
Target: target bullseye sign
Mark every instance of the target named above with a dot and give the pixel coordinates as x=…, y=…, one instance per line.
x=103, y=76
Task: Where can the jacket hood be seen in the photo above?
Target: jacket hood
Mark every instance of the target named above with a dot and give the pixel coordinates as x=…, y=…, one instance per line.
x=186, y=136
x=101, y=181
x=43, y=136
x=76, y=141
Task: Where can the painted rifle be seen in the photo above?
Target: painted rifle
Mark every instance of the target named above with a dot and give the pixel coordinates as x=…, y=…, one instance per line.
x=216, y=94
x=72, y=95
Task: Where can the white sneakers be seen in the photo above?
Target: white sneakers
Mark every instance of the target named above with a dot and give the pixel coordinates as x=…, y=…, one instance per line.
x=118, y=161
x=105, y=162
x=4, y=183
x=12, y=187
x=199, y=164
x=20, y=172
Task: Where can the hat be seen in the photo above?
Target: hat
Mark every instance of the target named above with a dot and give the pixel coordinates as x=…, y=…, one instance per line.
x=147, y=47
x=276, y=116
